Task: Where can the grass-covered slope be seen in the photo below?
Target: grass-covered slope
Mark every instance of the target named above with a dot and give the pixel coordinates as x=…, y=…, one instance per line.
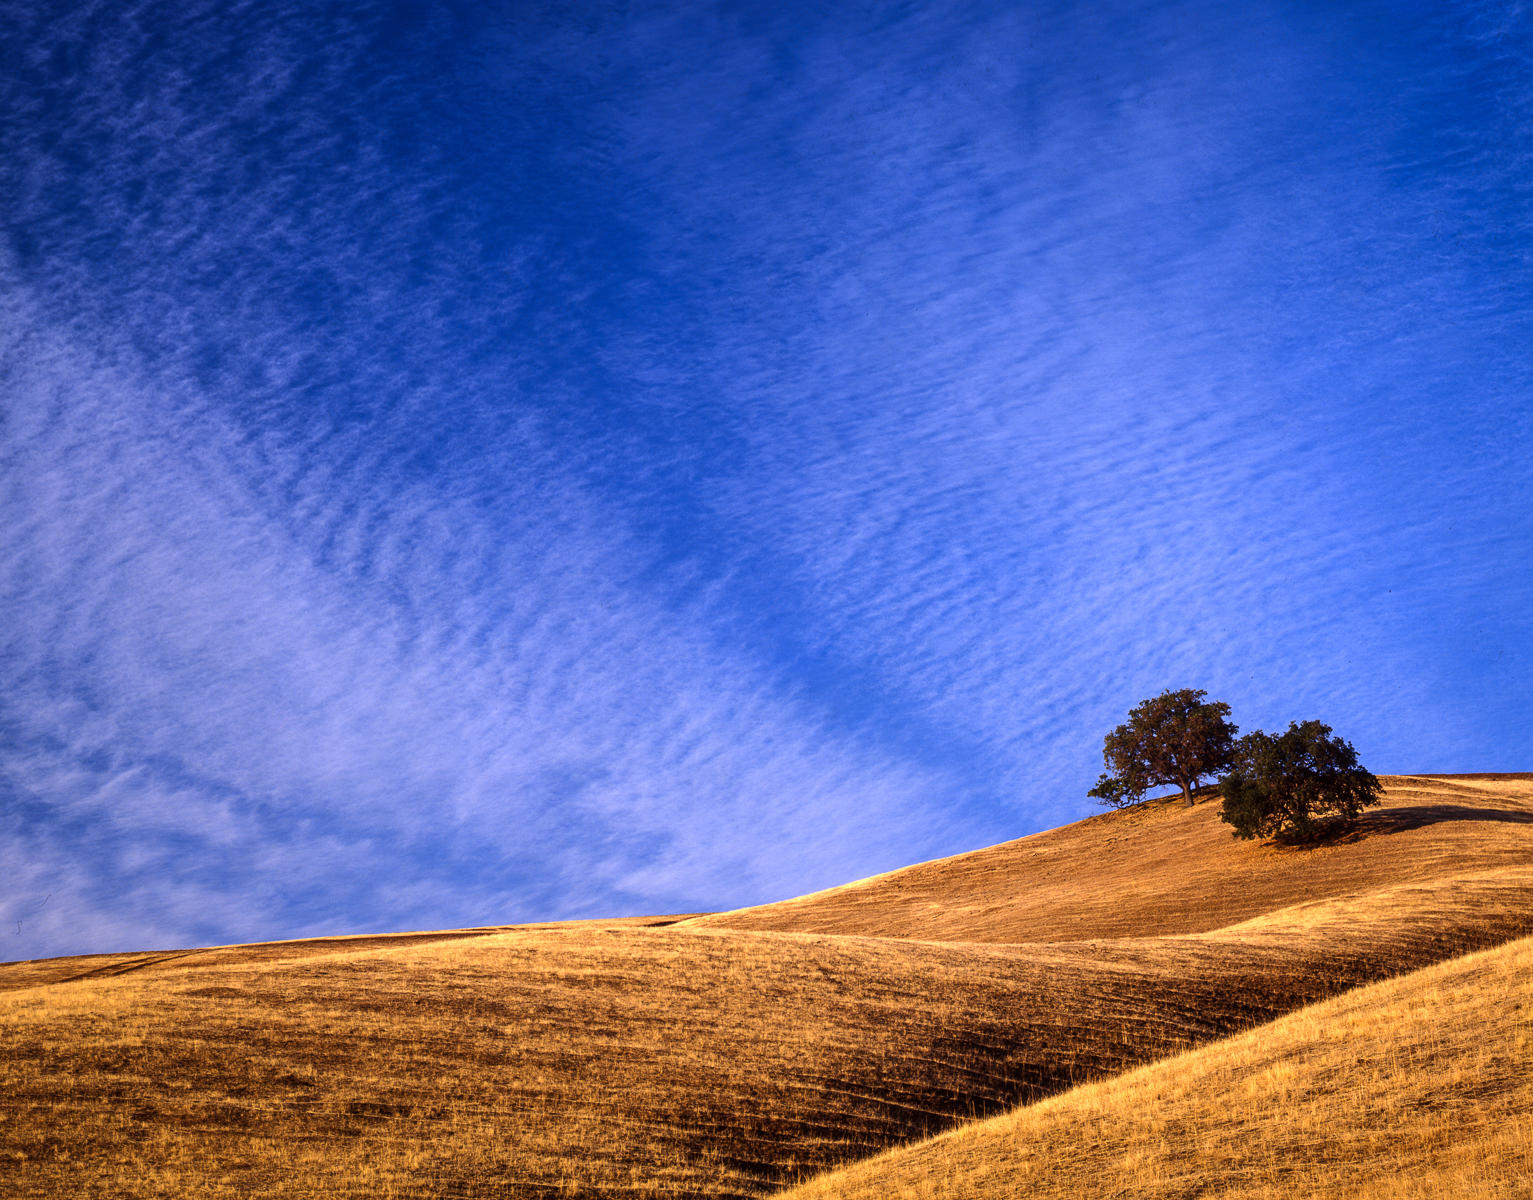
x=612, y=1058
x=1421, y=1086
x=608, y=1060
x=1162, y=867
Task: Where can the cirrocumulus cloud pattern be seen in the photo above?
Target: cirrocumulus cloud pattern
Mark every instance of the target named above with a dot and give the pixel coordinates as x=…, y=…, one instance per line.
x=464, y=464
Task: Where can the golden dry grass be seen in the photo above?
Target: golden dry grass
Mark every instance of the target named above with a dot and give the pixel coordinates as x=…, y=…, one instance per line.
x=1421, y=1086
x=70, y=969
x=606, y=1058
x=1162, y=867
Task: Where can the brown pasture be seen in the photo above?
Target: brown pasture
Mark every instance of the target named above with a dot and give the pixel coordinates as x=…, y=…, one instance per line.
x=1161, y=867
x=1414, y=1088
x=610, y=1058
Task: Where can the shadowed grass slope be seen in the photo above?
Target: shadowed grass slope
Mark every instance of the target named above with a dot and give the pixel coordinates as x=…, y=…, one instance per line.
x=615, y=1058
x=1161, y=867
x=1420, y=1086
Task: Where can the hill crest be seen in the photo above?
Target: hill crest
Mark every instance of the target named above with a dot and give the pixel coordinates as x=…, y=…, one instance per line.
x=603, y=1058
x=1162, y=868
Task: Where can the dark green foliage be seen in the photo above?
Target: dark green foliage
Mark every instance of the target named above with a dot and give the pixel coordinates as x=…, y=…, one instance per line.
x=1175, y=738
x=1296, y=784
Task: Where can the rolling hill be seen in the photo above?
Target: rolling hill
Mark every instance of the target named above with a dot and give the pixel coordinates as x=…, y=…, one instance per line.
x=1161, y=867
x=1419, y=1086
x=700, y=1057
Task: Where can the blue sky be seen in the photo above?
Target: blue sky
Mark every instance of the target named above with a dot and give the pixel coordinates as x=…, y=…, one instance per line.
x=461, y=466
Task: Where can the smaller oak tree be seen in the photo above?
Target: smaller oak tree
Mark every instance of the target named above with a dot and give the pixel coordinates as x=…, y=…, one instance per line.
x=1291, y=785
x=1176, y=738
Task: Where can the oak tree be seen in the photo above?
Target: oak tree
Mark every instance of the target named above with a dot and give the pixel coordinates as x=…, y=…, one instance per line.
x=1177, y=737
x=1294, y=784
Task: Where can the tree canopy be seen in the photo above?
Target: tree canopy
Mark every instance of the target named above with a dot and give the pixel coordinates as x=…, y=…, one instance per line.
x=1177, y=737
x=1291, y=785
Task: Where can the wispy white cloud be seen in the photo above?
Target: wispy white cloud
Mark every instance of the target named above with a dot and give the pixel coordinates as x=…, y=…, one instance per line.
x=419, y=687
x=510, y=466
x=1123, y=370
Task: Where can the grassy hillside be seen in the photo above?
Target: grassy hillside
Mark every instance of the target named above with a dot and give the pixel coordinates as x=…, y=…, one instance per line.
x=79, y=967
x=618, y=1057
x=1165, y=868
x=1421, y=1086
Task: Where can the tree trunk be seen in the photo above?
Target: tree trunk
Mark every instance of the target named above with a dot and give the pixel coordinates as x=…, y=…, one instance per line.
x=1187, y=791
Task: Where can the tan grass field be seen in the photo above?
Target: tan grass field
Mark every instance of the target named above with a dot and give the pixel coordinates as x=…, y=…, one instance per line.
x=1420, y=1086
x=1166, y=868
x=611, y=1058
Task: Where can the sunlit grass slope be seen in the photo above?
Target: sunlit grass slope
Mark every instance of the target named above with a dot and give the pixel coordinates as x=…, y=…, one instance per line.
x=609, y=1060
x=103, y=966
x=1161, y=868
x=1421, y=1086
x=612, y=1058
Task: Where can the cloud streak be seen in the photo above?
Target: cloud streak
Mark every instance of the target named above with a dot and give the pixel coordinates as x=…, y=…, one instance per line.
x=405, y=678
x=505, y=466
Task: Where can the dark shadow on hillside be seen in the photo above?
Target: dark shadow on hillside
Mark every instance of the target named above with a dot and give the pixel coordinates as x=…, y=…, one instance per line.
x=1400, y=820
